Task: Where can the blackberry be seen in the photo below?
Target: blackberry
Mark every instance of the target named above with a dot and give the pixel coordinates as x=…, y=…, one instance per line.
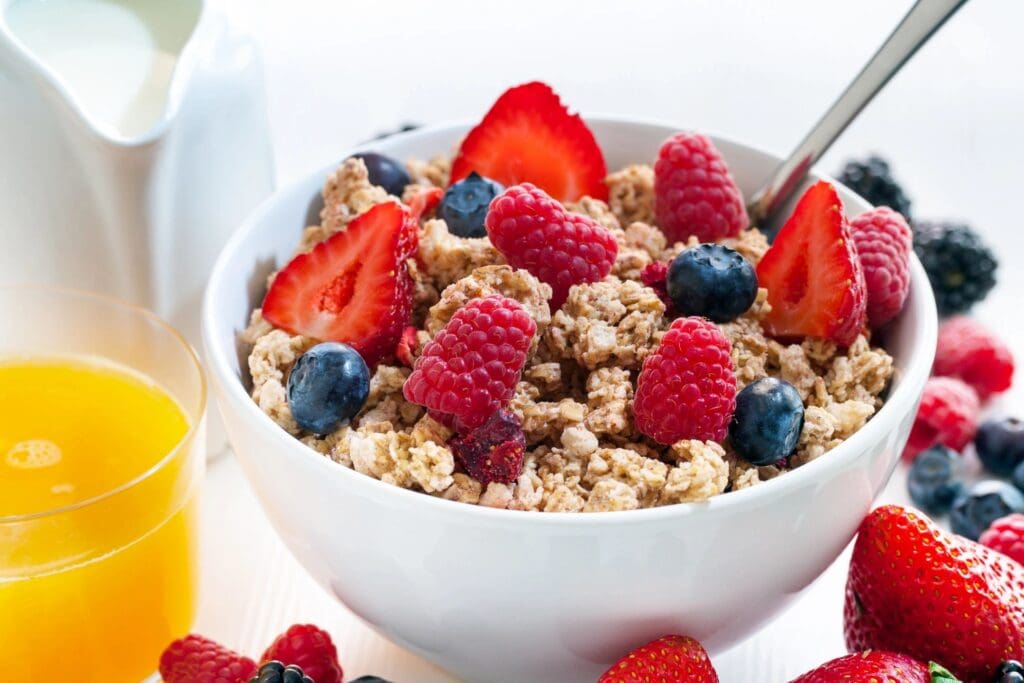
x=961, y=268
x=276, y=672
x=873, y=181
x=1010, y=671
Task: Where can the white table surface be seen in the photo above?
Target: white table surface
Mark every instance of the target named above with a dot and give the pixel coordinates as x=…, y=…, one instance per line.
x=337, y=72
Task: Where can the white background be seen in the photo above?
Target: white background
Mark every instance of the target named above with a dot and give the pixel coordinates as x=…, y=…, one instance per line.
x=762, y=72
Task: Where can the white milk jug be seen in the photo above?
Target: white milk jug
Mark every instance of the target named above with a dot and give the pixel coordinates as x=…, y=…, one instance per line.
x=133, y=140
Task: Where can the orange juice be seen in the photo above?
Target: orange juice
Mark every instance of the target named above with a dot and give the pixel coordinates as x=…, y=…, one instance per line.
x=98, y=517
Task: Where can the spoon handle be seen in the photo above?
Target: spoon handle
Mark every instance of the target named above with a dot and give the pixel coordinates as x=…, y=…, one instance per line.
x=923, y=19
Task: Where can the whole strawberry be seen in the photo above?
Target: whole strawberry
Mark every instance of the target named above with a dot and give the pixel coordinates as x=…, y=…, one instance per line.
x=878, y=667
x=309, y=648
x=694, y=193
x=947, y=415
x=687, y=387
x=470, y=369
x=884, y=242
x=669, y=659
x=534, y=232
x=967, y=350
x=195, y=659
x=1006, y=536
x=915, y=589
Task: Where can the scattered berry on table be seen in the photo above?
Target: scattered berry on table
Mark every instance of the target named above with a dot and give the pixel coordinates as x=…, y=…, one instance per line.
x=562, y=248
x=884, y=243
x=712, y=281
x=871, y=665
x=985, y=502
x=933, y=481
x=694, y=193
x=766, y=425
x=968, y=350
x=960, y=267
x=386, y=172
x=276, y=672
x=195, y=659
x=1010, y=671
x=309, y=648
x=905, y=572
x=464, y=205
x=687, y=387
x=327, y=386
x=1000, y=444
x=354, y=287
x=815, y=283
x=670, y=658
x=529, y=136
x=494, y=450
x=947, y=415
x=404, y=128
x=471, y=368
x=655, y=275
x=872, y=179
x=369, y=679
x=1006, y=535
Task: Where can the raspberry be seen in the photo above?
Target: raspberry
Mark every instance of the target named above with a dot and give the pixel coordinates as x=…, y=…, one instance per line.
x=884, y=241
x=195, y=659
x=309, y=648
x=655, y=276
x=535, y=232
x=968, y=351
x=471, y=368
x=1006, y=535
x=494, y=450
x=948, y=415
x=694, y=193
x=687, y=389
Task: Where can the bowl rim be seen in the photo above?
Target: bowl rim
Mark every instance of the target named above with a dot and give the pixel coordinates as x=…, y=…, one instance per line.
x=234, y=397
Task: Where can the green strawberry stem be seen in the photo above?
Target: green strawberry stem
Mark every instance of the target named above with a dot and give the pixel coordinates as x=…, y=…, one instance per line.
x=940, y=674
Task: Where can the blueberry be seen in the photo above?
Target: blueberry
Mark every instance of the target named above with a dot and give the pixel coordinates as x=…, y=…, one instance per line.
x=1000, y=444
x=932, y=482
x=712, y=281
x=767, y=422
x=981, y=505
x=369, y=679
x=328, y=385
x=385, y=171
x=464, y=205
x=1009, y=671
x=1018, y=477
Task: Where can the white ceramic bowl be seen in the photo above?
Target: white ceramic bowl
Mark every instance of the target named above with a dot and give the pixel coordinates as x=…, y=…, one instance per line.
x=497, y=595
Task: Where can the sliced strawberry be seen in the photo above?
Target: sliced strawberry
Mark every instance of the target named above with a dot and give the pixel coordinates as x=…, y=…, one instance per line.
x=425, y=201
x=530, y=136
x=353, y=287
x=815, y=282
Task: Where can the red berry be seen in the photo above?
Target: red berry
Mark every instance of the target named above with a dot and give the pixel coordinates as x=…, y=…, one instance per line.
x=968, y=351
x=872, y=665
x=528, y=136
x=494, y=450
x=1006, y=536
x=424, y=201
x=694, y=193
x=667, y=659
x=687, y=387
x=947, y=415
x=534, y=232
x=884, y=242
x=195, y=659
x=471, y=368
x=934, y=596
x=354, y=287
x=815, y=282
x=407, y=344
x=309, y=648
x=654, y=276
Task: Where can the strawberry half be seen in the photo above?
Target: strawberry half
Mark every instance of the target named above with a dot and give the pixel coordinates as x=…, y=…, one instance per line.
x=530, y=136
x=354, y=287
x=815, y=282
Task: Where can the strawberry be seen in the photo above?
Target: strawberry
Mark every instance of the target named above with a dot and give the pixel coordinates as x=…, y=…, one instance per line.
x=354, y=287
x=876, y=666
x=423, y=201
x=915, y=589
x=670, y=658
x=815, y=282
x=529, y=136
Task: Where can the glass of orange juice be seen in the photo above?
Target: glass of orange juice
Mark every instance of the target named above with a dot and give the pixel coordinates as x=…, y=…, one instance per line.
x=101, y=459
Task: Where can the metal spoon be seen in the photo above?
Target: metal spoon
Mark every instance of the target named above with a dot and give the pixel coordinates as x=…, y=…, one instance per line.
x=920, y=23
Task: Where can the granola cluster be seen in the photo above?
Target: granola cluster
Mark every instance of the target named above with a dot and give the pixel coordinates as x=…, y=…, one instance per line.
x=575, y=397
